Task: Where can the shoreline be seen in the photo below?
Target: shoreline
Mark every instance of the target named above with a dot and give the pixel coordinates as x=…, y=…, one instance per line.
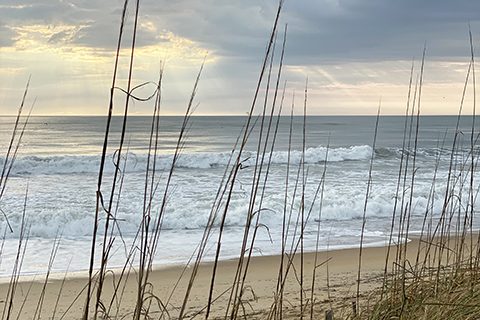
x=335, y=287
x=83, y=273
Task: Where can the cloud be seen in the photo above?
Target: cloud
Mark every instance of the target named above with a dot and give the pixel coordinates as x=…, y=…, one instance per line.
x=323, y=31
x=326, y=30
x=7, y=36
x=350, y=49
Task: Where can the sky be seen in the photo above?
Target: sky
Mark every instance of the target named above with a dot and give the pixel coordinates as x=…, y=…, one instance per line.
x=355, y=53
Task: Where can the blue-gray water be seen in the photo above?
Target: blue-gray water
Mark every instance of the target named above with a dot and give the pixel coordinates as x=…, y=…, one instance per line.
x=59, y=160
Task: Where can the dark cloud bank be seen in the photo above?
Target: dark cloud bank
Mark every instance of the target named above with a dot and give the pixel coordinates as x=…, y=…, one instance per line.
x=320, y=31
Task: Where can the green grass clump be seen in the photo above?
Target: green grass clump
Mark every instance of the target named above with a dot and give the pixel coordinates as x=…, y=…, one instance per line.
x=452, y=293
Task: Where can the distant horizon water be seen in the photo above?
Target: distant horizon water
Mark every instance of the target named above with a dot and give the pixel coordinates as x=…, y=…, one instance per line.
x=297, y=114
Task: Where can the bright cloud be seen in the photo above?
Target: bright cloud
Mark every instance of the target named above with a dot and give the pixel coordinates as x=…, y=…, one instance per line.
x=353, y=52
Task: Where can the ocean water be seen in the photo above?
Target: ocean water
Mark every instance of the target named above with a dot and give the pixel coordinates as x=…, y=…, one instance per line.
x=59, y=161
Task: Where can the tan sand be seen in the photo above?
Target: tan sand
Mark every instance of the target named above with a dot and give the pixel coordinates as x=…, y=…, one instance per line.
x=262, y=278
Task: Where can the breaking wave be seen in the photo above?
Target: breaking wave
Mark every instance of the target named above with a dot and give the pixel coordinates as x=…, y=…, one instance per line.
x=71, y=164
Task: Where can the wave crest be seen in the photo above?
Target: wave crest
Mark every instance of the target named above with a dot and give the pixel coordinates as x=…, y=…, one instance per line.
x=71, y=164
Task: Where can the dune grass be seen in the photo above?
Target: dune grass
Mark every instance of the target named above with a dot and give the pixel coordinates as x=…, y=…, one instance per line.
x=442, y=281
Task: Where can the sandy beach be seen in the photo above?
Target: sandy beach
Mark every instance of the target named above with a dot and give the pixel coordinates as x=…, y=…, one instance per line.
x=333, y=290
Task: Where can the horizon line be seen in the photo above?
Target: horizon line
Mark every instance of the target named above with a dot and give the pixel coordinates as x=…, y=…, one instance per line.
x=236, y=115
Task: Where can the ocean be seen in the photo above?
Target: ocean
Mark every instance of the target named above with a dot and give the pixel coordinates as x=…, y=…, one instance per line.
x=59, y=162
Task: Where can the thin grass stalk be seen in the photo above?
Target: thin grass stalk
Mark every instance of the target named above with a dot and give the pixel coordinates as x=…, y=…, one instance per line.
x=453, y=209
x=257, y=225
x=456, y=205
x=269, y=161
x=14, y=133
x=155, y=132
x=463, y=222
x=298, y=217
x=412, y=183
x=77, y=297
x=22, y=257
x=296, y=242
x=447, y=196
x=179, y=146
x=399, y=177
x=125, y=273
x=472, y=147
x=128, y=254
x=317, y=242
x=271, y=152
x=116, y=226
x=237, y=293
x=117, y=203
x=11, y=145
x=59, y=294
x=53, y=254
x=105, y=248
x=221, y=191
x=234, y=291
x=364, y=217
x=403, y=202
x=154, y=239
x=25, y=298
x=153, y=243
x=2, y=246
x=13, y=155
x=237, y=164
x=292, y=205
x=302, y=204
x=149, y=183
x=402, y=217
x=17, y=147
x=428, y=210
x=14, y=278
x=277, y=307
x=99, y=196
x=112, y=238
